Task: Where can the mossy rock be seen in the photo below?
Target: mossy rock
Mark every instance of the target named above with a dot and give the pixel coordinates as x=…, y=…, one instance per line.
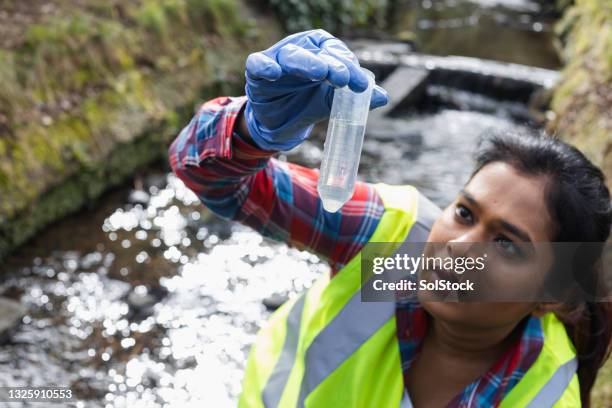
x=98, y=89
x=581, y=101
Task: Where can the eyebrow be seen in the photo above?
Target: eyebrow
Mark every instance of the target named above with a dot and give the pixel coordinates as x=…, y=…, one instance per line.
x=506, y=225
x=516, y=231
x=470, y=198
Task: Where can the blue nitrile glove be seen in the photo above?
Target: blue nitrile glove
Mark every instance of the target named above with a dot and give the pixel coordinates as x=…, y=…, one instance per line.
x=290, y=87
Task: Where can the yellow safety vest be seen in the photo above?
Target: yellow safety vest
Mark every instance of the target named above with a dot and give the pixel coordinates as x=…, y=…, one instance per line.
x=327, y=348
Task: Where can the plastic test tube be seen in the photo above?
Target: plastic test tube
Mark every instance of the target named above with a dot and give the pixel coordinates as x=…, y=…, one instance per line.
x=343, y=143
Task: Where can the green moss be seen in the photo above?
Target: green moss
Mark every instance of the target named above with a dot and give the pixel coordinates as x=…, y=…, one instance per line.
x=152, y=16
x=581, y=100
x=582, y=108
x=11, y=98
x=68, y=53
x=97, y=90
x=220, y=16
x=602, y=391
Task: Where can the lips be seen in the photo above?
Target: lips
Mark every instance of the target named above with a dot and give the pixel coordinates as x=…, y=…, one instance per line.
x=445, y=274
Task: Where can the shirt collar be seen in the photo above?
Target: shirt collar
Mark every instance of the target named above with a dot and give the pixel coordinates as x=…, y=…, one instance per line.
x=412, y=322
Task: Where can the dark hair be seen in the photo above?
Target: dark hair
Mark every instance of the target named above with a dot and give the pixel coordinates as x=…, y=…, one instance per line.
x=579, y=203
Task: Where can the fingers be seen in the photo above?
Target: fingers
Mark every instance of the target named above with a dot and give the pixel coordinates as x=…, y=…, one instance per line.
x=260, y=66
x=330, y=60
x=358, y=81
x=303, y=63
x=315, y=37
x=379, y=97
x=297, y=61
x=337, y=73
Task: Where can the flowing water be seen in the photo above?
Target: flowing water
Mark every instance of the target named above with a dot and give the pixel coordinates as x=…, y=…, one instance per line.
x=519, y=31
x=148, y=299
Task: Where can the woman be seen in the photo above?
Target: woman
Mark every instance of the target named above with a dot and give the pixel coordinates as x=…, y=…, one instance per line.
x=327, y=348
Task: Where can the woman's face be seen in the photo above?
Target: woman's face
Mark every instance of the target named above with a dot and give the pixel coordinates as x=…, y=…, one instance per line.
x=506, y=211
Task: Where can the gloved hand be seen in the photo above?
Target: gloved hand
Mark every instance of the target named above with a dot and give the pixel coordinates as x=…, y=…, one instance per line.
x=290, y=87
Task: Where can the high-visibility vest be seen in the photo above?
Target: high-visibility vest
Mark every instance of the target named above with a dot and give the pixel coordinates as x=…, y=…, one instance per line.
x=327, y=348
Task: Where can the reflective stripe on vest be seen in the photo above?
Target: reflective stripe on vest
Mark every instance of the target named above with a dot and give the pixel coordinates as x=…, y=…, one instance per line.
x=280, y=374
x=548, y=395
x=341, y=337
x=406, y=401
x=552, y=391
x=339, y=340
x=551, y=380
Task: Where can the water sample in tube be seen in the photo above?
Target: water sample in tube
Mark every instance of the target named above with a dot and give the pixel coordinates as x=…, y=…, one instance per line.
x=343, y=144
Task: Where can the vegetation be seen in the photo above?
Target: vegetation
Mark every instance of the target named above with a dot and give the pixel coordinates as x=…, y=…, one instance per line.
x=583, y=98
x=336, y=16
x=582, y=103
x=602, y=391
x=87, y=77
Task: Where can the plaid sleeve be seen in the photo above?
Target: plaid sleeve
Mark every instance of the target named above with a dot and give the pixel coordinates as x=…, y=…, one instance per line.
x=238, y=181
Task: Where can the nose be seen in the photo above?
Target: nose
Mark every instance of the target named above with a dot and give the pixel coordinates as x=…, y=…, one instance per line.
x=457, y=248
x=462, y=245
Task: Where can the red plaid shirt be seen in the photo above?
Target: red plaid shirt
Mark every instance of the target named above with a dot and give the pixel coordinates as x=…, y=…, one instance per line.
x=241, y=182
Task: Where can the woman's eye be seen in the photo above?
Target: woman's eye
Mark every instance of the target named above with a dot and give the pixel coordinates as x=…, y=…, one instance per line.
x=463, y=213
x=508, y=247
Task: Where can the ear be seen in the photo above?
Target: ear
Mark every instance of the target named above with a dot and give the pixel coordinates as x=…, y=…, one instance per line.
x=542, y=308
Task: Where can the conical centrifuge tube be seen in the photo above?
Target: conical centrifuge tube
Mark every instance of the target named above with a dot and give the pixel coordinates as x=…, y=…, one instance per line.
x=343, y=144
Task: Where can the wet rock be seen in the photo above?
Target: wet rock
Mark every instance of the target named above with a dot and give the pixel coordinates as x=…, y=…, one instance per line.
x=11, y=313
x=158, y=181
x=142, y=300
x=139, y=197
x=89, y=388
x=188, y=362
x=275, y=301
x=405, y=85
x=501, y=80
x=219, y=227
